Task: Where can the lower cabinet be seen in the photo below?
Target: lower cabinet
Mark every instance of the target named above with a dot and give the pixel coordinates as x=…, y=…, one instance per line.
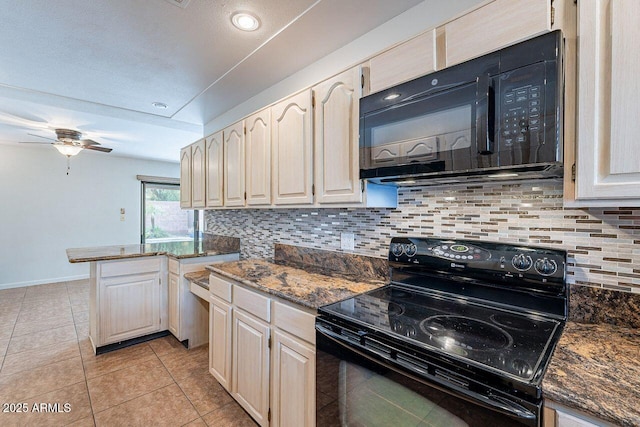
x=250, y=384
x=294, y=378
x=557, y=415
x=220, y=341
x=127, y=299
x=262, y=351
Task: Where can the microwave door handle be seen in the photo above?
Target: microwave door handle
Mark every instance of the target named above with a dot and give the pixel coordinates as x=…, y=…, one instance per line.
x=485, y=115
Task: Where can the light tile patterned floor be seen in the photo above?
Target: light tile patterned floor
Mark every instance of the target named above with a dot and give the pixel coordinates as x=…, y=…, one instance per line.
x=46, y=358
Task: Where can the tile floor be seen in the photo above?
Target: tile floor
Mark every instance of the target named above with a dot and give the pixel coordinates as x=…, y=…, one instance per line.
x=46, y=358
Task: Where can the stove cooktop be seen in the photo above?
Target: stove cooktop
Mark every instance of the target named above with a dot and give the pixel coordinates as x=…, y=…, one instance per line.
x=508, y=341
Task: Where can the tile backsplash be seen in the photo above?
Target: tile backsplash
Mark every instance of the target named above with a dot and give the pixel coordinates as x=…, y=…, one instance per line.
x=603, y=243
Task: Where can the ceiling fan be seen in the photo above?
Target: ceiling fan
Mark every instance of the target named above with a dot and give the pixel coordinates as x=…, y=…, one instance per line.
x=69, y=142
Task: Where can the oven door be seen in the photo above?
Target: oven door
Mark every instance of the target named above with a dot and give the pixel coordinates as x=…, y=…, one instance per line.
x=358, y=385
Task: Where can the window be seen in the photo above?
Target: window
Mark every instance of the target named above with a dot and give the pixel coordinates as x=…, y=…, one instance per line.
x=162, y=219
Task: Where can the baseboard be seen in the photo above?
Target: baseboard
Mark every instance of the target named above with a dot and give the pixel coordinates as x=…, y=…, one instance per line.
x=42, y=282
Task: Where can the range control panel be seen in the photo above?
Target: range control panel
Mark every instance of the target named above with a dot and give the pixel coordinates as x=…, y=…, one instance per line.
x=480, y=260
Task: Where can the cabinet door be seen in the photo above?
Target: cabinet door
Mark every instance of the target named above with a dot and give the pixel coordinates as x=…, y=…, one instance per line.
x=294, y=382
x=493, y=26
x=292, y=145
x=404, y=62
x=234, y=165
x=198, y=163
x=608, y=151
x=220, y=342
x=258, y=158
x=250, y=383
x=129, y=306
x=336, y=147
x=185, y=177
x=174, y=305
x=214, y=170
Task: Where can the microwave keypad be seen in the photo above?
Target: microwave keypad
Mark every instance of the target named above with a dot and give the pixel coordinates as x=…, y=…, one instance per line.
x=521, y=116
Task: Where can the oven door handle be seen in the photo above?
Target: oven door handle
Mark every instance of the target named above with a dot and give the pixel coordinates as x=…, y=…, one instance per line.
x=489, y=401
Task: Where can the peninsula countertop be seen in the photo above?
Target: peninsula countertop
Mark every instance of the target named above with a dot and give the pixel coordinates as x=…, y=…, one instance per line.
x=179, y=250
x=308, y=287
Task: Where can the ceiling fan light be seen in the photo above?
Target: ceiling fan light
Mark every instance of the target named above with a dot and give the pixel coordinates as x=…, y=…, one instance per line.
x=68, y=150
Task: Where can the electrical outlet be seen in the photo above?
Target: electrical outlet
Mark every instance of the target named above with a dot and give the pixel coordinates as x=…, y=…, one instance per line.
x=121, y=217
x=347, y=241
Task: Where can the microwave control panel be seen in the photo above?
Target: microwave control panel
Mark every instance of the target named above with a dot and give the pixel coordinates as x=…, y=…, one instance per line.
x=520, y=111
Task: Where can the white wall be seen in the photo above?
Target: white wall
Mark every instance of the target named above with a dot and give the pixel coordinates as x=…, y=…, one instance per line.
x=424, y=16
x=43, y=211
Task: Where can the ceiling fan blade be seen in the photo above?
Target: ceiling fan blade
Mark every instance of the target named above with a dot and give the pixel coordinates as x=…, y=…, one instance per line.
x=43, y=137
x=93, y=147
x=87, y=142
x=34, y=142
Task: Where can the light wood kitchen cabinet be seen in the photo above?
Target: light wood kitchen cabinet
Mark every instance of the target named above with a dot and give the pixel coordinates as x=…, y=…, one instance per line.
x=336, y=144
x=258, y=158
x=557, y=415
x=292, y=146
x=269, y=348
x=185, y=177
x=198, y=164
x=250, y=366
x=494, y=26
x=125, y=299
x=234, y=191
x=214, y=171
x=608, y=151
x=220, y=332
x=293, y=371
x=174, y=305
x=403, y=62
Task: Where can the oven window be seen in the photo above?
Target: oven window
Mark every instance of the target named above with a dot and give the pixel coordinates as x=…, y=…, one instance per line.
x=352, y=390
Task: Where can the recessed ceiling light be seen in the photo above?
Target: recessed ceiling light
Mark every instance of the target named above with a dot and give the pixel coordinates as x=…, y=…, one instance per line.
x=160, y=105
x=245, y=21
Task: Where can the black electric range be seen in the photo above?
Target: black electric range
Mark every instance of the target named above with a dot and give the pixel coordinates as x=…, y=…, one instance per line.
x=479, y=320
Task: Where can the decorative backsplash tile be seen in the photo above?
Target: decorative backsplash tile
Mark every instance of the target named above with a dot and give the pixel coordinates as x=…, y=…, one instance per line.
x=603, y=243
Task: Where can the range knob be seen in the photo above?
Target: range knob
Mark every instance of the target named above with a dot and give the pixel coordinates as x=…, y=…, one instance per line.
x=397, y=249
x=522, y=262
x=545, y=266
x=410, y=249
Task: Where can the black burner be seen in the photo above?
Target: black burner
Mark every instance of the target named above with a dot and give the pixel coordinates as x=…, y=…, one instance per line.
x=397, y=294
x=465, y=333
x=514, y=322
x=395, y=309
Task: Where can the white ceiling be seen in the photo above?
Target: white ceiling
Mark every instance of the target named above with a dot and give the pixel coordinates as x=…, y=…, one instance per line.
x=97, y=66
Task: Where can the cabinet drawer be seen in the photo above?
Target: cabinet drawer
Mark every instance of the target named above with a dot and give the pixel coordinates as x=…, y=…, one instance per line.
x=252, y=303
x=174, y=266
x=121, y=268
x=296, y=322
x=220, y=288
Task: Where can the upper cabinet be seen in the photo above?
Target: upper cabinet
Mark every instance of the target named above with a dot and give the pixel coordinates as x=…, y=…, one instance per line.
x=404, y=62
x=214, y=174
x=234, y=165
x=185, y=177
x=198, y=162
x=292, y=150
x=258, y=158
x=493, y=26
x=336, y=138
x=607, y=154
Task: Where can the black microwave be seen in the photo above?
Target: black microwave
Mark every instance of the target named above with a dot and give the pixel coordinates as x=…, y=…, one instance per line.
x=496, y=116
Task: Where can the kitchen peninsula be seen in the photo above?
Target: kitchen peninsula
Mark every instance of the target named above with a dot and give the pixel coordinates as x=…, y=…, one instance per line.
x=138, y=292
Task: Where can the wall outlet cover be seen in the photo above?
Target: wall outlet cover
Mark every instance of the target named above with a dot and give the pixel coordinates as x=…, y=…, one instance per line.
x=347, y=241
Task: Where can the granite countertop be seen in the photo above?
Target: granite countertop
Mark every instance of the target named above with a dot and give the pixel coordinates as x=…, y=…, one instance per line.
x=595, y=369
x=308, y=287
x=179, y=250
x=200, y=278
